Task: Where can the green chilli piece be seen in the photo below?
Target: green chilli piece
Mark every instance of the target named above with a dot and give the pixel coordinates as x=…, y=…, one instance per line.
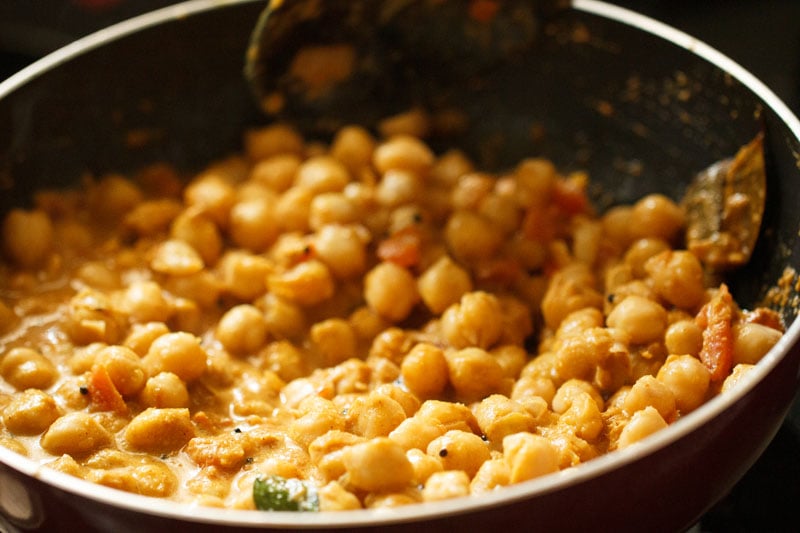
x=275, y=493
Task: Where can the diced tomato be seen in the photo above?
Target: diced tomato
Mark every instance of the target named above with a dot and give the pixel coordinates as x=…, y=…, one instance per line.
x=541, y=223
x=715, y=320
x=569, y=195
x=501, y=271
x=404, y=248
x=104, y=395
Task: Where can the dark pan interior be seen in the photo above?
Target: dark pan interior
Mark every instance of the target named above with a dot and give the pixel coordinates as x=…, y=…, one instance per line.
x=639, y=113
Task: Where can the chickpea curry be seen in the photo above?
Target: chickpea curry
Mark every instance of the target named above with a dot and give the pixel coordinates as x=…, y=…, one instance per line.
x=357, y=324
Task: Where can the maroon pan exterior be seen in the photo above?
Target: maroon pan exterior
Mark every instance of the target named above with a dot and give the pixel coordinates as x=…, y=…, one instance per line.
x=70, y=112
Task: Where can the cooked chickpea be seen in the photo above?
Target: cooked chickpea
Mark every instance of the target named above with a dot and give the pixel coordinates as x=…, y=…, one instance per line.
x=343, y=249
x=244, y=274
x=211, y=195
x=476, y=320
x=398, y=187
x=322, y=174
x=403, y=152
x=332, y=208
x=242, y=329
x=529, y=456
x=677, y=277
x=657, y=216
x=27, y=237
x=471, y=237
x=275, y=139
x=492, y=474
x=334, y=339
x=391, y=291
x=648, y=391
x=305, y=284
x=687, y=378
x=499, y=416
x=30, y=413
x=254, y=224
x=293, y=208
x=641, y=251
x=378, y=465
x=276, y=172
x=25, y=368
x=144, y=301
x=460, y=450
x=374, y=415
x=684, y=337
x=443, y=284
x=751, y=342
x=353, y=146
x=445, y=485
x=179, y=353
x=642, y=424
x=424, y=370
x=474, y=373
x=77, y=434
x=159, y=430
x=642, y=319
x=165, y=390
x=284, y=319
x=124, y=367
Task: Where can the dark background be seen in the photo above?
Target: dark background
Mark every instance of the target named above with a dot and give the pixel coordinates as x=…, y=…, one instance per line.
x=761, y=35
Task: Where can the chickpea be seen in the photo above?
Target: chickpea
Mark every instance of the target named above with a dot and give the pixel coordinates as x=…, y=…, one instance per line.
x=443, y=284
x=179, y=353
x=684, y=337
x=657, y=216
x=752, y=341
x=403, y=152
x=25, y=368
x=243, y=274
x=284, y=319
x=275, y=139
x=334, y=339
x=529, y=456
x=334, y=497
x=27, y=237
x=159, y=430
x=199, y=231
x=617, y=226
x=211, y=195
x=424, y=370
x=648, y=391
x=343, y=249
x=293, y=209
x=319, y=416
x=91, y=318
x=499, y=416
x=242, y=329
x=144, y=301
x=687, y=378
x=322, y=174
x=535, y=180
x=305, y=284
x=113, y=196
x=470, y=237
x=474, y=373
x=641, y=251
x=374, y=415
x=416, y=432
x=460, y=450
x=353, y=146
x=492, y=474
x=449, y=167
x=378, y=465
x=677, y=277
x=332, y=208
x=165, y=390
x=571, y=288
x=643, y=320
x=30, y=412
x=77, y=434
x=277, y=172
x=254, y=224
x=124, y=368
x=141, y=336
x=445, y=485
x=391, y=291
x=398, y=187
x=475, y=321
x=327, y=452
x=424, y=465
x=642, y=424
x=176, y=258
x=579, y=356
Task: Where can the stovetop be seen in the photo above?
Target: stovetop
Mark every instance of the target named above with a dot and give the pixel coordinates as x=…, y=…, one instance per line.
x=761, y=35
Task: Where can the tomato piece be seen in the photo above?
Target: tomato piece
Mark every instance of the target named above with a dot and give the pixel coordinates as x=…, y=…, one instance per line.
x=103, y=393
x=570, y=195
x=404, y=248
x=715, y=319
